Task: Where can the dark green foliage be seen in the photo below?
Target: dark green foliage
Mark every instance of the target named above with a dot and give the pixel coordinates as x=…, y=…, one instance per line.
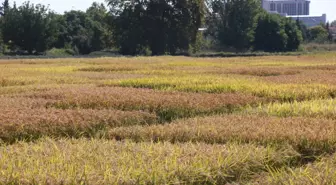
x=101, y=38
x=232, y=22
x=84, y=32
x=327, y=27
x=163, y=26
x=128, y=30
x=304, y=30
x=276, y=34
x=318, y=34
x=34, y=29
x=78, y=32
x=28, y=27
x=294, y=35
x=270, y=34
x=4, y=8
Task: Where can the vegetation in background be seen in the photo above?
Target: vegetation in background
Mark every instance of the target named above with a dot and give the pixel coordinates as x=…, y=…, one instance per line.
x=153, y=27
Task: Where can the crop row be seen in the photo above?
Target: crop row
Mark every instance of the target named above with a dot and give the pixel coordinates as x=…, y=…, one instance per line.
x=319, y=108
x=110, y=162
x=307, y=135
x=30, y=124
x=166, y=105
x=224, y=84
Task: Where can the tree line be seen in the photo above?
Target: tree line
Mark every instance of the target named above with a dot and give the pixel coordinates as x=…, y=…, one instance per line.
x=152, y=27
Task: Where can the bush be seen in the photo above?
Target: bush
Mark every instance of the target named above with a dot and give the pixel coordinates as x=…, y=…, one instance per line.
x=318, y=34
x=56, y=52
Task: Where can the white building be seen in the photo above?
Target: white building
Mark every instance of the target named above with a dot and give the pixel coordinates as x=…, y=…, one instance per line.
x=289, y=7
x=296, y=9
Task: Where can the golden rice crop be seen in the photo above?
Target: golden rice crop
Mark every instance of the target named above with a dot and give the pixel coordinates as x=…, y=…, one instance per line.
x=320, y=67
x=220, y=84
x=322, y=172
x=307, y=135
x=28, y=124
x=110, y=162
x=305, y=77
x=20, y=102
x=167, y=105
x=264, y=71
x=313, y=108
x=134, y=98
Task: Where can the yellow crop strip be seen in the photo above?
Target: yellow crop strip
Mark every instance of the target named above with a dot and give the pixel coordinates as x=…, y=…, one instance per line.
x=325, y=108
x=111, y=162
x=219, y=84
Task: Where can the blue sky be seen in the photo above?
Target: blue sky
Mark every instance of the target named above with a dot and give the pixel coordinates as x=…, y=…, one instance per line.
x=318, y=7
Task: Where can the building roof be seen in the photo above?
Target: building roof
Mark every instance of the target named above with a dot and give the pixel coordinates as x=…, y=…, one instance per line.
x=306, y=16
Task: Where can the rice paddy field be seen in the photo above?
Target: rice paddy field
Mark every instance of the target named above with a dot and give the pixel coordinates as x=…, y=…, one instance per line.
x=169, y=120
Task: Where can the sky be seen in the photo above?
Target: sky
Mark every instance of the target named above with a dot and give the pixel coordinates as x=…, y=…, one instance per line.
x=317, y=7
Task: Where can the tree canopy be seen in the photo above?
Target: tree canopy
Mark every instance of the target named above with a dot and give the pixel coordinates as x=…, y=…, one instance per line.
x=151, y=27
x=164, y=26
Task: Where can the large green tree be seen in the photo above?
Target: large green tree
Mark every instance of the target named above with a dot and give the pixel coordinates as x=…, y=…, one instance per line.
x=101, y=37
x=232, y=22
x=28, y=27
x=129, y=30
x=84, y=32
x=294, y=34
x=4, y=7
x=274, y=33
x=163, y=26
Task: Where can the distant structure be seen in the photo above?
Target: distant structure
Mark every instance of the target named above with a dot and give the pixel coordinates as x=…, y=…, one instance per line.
x=333, y=32
x=296, y=9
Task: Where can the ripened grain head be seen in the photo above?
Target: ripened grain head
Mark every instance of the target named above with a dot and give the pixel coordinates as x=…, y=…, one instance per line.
x=110, y=162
